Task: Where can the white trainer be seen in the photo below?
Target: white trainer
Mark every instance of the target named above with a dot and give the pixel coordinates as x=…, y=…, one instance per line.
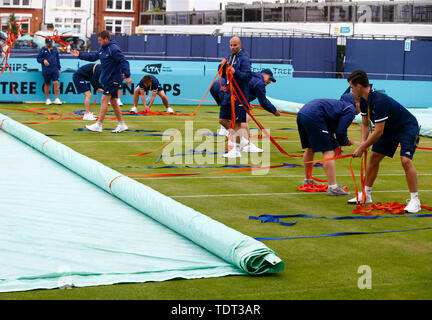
x=413, y=206
x=360, y=199
x=57, y=101
x=169, y=110
x=234, y=153
x=120, y=128
x=251, y=148
x=134, y=109
x=119, y=102
x=48, y=102
x=95, y=127
x=223, y=132
x=89, y=117
x=243, y=142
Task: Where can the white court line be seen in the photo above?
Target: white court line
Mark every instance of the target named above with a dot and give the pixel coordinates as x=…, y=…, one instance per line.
x=278, y=194
x=263, y=176
x=215, y=120
x=147, y=141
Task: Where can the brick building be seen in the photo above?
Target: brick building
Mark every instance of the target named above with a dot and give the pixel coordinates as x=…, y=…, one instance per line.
x=23, y=9
x=118, y=16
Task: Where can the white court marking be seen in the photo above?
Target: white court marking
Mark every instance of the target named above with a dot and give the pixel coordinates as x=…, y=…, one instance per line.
x=263, y=176
x=277, y=194
x=148, y=141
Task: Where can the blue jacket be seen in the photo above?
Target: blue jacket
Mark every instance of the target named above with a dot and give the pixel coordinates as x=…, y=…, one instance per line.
x=90, y=72
x=113, y=63
x=243, y=72
x=257, y=90
x=52, y=56
x=217, y=92
x=332, y=115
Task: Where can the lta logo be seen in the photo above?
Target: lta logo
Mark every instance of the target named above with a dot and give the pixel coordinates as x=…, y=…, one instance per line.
x=153, y=68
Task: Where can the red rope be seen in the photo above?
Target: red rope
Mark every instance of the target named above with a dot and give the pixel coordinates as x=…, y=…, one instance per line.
x=177, y=133
x=237, y=94
x=381, y=208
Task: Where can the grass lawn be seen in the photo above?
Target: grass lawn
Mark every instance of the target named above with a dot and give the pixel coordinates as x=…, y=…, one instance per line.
x=322, y=268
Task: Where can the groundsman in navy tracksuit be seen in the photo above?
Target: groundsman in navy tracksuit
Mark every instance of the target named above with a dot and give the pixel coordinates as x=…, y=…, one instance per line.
x=240, y=66
x=257, y=90
x=114, y=68
x=49, y=58
x=88, y=73
x=394, y=126
x=323, y=125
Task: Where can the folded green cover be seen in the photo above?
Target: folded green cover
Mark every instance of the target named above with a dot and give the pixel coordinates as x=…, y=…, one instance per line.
x=242, y=251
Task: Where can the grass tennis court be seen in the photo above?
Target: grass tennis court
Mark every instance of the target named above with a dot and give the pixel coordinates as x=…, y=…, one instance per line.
x=324, y=268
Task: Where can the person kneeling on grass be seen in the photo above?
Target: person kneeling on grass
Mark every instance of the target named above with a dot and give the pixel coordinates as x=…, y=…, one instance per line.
x=89, y=72
x=319, y=121
x=394, y=125
x=146, y=84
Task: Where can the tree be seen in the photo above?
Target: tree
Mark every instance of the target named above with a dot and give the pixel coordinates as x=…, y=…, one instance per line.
x=13, y=26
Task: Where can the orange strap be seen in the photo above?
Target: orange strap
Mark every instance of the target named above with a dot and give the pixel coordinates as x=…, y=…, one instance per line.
x=238, y=94
x=337, y=156
x=313, y=188
x=177, y=133
x=380, y=208
x=363, y=168
x=156, y=113
x=57, y=38
x=196, y=174
x=261, y=137
x=1, y=125
x=9, y=43
x=316, y=188
x=112, y=181
x=60, y=115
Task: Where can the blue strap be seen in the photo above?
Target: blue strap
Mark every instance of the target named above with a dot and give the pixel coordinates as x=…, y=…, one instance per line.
x=276, y=219
x=129, y=130
x=269, y=218
x=340, y=234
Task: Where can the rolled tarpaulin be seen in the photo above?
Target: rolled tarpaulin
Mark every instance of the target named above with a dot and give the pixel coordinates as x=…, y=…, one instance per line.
x=244, y=252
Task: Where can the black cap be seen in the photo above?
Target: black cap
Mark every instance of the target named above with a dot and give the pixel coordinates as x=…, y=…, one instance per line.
x=48, y=41
x=270, y=73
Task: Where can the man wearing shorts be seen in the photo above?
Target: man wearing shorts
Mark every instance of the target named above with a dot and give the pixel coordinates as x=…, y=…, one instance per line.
x=394, y=125
x=114, y=65
x=257, y=90
x=150, y=83
x=88, y=73
x=240, y=67
x=323, y=125
x=49, y=58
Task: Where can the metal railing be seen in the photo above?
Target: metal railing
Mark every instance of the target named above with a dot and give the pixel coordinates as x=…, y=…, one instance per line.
x=355, y=12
